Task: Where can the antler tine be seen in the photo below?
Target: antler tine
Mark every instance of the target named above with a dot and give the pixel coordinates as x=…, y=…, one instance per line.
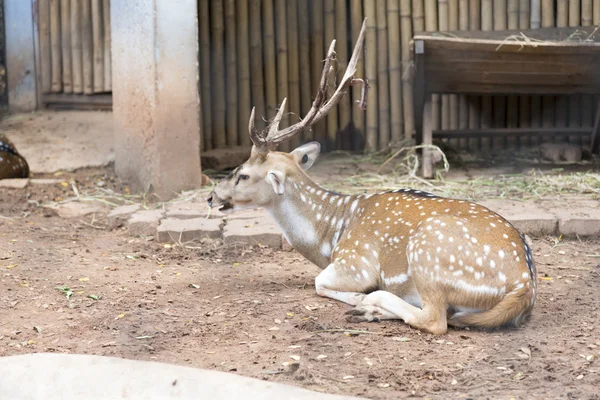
x=275, y=124
x=321, y=106
x=256, y=138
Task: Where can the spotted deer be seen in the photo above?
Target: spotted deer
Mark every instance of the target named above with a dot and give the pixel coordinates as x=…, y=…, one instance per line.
x=402, y=254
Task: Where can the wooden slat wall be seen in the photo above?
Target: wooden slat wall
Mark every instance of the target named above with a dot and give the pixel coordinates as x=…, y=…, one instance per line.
x=74, y=46
x=280, y=46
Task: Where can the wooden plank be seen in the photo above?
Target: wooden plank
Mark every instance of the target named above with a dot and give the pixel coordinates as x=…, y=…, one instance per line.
x=427, y=156
x=595, y=138
x=98, y=49
x=503, y=132
x=65, y=22
x=87, y=52
x=76, y=47
x=77, y=101
x=107, y=46
x=553, y=36
x=45, y=45
x=56, y=46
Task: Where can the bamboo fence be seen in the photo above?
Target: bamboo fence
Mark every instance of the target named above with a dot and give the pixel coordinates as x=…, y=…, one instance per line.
x=254, y=53
x=74, y=46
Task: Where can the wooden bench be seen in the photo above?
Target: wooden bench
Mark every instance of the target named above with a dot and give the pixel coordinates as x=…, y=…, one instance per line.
x=542, y=62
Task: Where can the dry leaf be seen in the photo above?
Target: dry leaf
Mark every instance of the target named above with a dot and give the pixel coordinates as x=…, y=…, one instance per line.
x=321, y=357
x=84, y=279
x=274, y=328
x=119, y=316
x=12, y=266
x=383, y=385
x=526, y=351
x=295, y=358
x=348, y=377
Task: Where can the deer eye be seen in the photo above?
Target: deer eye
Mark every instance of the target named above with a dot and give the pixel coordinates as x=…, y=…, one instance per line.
x=241, y=177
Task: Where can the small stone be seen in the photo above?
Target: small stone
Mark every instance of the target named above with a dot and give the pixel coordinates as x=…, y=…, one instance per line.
x=17, y=183
x=76, y=209
x=144, y=223
x=119, y=216
x=252, y=232
x=186, y=230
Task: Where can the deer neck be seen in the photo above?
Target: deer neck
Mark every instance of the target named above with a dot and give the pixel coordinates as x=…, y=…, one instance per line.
x=311, y=218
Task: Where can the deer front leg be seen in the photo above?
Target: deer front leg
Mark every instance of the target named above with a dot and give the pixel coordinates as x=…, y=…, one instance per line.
x=346, y=284
x=431, y=318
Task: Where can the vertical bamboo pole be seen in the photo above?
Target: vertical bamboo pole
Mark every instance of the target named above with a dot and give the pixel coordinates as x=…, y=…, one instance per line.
x=231, y=72
x=87, y=47
x=98, y=49
x=524, y=101
x=107, y=46
x=281, y=42
x=256, y=63
x=45, y=45
x=341, y=34
x=561, y=105
x=317, y=57
x=205, y=78
x=454, y=110
x=316, y=60
x=55, y=41
x=536, y=101
x=574, y=100
x=218, y=98
x=418, y=16
x=65, y=20
x=512, y=102
x=486, y=101
x=587, y=101
x=269, y=59
x=243, y=70
x=293, y=67
x=329, y=35
x=382, y=77
x=442, y=27
x=358, y=115
x=406, y=28
x=371, y=74
x=474, y=101
x=76, y=50
x=431, y=25
x=596, y=17
x=304, y=55
x=499, y=102
x=547, y=101
x=453, y=99
x=463, y=104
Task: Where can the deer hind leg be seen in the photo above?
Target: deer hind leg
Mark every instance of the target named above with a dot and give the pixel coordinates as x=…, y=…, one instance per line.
x=431, y=318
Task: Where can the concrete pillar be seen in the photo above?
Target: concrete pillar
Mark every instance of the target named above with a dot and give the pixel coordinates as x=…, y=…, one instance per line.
x=156, y=104
x=20, y=55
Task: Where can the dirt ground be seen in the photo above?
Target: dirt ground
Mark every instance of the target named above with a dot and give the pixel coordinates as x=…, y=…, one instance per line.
x=254, y=312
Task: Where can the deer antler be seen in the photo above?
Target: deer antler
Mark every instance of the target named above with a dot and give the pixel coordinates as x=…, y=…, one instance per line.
x=272, y=136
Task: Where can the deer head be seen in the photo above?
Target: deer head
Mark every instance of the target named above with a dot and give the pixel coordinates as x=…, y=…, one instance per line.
x=262, y=179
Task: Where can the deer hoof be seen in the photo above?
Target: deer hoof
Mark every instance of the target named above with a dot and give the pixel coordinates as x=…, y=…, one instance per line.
x=363, y=314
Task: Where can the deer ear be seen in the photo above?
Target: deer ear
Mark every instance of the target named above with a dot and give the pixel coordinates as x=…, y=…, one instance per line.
x=277, y=180
x=307, y=154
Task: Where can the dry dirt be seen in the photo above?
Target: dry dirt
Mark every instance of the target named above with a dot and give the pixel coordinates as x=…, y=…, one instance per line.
x=248, y=311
